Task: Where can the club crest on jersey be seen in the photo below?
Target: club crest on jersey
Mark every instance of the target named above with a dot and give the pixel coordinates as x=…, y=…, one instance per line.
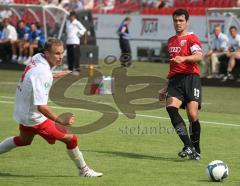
x=183, y=42
x=174, y=49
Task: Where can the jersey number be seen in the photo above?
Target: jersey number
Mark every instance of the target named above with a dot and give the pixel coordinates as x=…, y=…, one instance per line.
x=196, y=92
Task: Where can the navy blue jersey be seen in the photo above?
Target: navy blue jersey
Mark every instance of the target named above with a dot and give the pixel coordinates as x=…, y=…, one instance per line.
x=124, y=35
x=21, y=32
x=37, y=35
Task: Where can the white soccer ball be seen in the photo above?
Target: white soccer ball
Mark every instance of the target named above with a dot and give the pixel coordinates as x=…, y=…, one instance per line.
x=217, y=170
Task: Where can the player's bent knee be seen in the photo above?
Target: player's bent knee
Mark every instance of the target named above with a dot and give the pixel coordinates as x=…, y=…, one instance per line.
x=72, y=143
x=20, y=142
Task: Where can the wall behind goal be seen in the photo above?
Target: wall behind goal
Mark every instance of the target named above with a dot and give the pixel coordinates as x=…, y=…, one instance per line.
x=146, y=31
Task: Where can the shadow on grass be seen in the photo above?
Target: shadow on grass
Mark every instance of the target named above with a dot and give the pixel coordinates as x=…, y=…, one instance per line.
x=206, y=181
x=138, y=156
x=33, y=176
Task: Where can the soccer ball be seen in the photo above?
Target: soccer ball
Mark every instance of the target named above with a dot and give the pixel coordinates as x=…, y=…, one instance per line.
x=217, y=170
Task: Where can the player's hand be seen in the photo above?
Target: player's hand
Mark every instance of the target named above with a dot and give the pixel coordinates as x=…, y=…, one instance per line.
x=178, y=59
x=70, y=120
x=65, y=119
x=162, y=94
x=61, y=74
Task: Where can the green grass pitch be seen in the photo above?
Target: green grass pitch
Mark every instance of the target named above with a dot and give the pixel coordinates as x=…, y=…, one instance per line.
x=140, y=151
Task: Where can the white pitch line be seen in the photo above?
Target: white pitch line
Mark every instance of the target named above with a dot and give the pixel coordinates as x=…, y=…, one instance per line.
x=108, y=103
x=140, y=115
x=6, y=97
x=8, y=83
x=209, y=122
x=15, y=83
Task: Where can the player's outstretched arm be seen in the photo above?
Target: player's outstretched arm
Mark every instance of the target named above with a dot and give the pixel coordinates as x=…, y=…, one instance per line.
x=197, y=57
x=47, y=111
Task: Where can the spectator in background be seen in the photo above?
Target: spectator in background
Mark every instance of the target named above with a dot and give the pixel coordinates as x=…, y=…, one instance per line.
x=5, y=13
x=169, y=3
x=63, y=3
x=218, y=49
x=124, y=38
x=22, y=32
x=74, y=30
x=160, y=4
x=88, y=4
x=49, y=2
x=74, y=5
x=36, y=40
x=234, y=54
x=237, y=3
x=9, y=36
x=107, y=5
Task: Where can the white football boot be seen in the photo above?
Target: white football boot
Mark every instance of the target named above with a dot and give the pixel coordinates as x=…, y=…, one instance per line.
x=87, y=172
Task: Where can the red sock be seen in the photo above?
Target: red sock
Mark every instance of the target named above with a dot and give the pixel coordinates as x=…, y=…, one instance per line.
x=72, y=143
x=19, y=142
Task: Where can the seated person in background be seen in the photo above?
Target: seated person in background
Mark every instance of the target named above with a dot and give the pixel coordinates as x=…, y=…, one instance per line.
x=234, y=52
x=218, y=49
x=9, y=36
x=74, y=5
x=88, y=4
x=36, y=40
x=22, y=32
x=107, y=5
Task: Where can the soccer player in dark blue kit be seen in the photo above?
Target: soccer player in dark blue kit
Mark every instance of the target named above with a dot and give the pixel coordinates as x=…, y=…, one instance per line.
x=124, y=43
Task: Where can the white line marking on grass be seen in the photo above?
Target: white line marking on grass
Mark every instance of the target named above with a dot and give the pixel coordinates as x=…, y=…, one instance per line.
x=8, y=83
x=108, y=103
x=6, y=97
x=140, y=115
x=201, y=121
x=15, y=83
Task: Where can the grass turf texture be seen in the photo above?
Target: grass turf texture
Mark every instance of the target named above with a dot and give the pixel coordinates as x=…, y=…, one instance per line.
x=140, y=151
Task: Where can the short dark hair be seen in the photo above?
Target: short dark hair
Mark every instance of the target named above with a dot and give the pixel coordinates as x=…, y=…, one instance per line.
x=72, y=13
x=52, y=42
x=127, y=19
x=180, y=12
x=233, y=27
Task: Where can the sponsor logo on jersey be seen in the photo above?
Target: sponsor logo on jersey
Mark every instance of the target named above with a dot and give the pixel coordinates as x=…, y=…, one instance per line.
x=174, y=49
x=183, y=42
x=47, y=85
x=149, y=26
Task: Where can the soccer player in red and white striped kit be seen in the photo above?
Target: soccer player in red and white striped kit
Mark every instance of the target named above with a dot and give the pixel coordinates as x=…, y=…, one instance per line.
x=34, y=115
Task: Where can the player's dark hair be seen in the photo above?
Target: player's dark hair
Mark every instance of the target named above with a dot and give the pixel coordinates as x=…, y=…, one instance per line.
x=127, y=19
x=233, y=27
x=21, y=21
x=52, y=42
x=180, y=12
x=72, y=13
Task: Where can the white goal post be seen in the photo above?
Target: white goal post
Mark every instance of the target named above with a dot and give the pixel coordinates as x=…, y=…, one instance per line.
x=51, y=18
x=225, y=17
